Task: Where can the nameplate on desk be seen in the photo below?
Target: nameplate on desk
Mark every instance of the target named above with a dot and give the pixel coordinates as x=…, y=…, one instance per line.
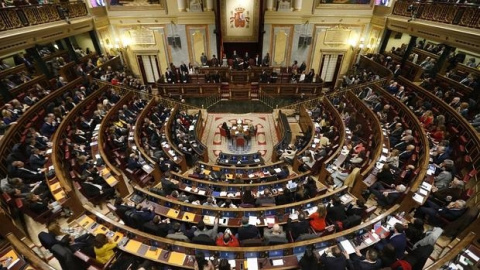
x=147, y=168
x=278, y=262
x=418, y=198
x=426, y=186
x=187, y=189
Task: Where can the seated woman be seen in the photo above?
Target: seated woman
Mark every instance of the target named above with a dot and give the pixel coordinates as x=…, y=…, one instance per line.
x=103, y=248
x=317, y=219
x=392, y=159
x=358, y=158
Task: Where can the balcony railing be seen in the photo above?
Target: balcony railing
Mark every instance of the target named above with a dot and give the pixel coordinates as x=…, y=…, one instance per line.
x=467, y=15
x=28, y=15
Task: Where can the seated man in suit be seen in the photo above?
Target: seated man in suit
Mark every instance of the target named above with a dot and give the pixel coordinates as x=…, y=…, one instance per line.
x=443, y=179
x=448, y=194
x=202, y=229
x=359, y=262
x=177, y=233
x=336, y=210
x=266, y=199
x=275, y=235
x=37, y=159
x=299, y=228
x=397, y=239
x=17, y=169
x=133, y=162
x=386, y=197
x=92, y=189
x=435, y=213
x=247, y=231
x=157, y=226
x=333, y=258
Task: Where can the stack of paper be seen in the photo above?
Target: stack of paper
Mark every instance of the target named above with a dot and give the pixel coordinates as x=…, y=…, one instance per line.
x=426, y=186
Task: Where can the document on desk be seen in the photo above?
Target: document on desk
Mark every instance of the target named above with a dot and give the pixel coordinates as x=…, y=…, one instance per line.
x=418, y=198
x=277, y=170
x=392, y=221
x=232, y=263
x=293, y=216
x=270, y=220
x=208, y=219
x=252, y=264
x=347, y=246
x=252, y=220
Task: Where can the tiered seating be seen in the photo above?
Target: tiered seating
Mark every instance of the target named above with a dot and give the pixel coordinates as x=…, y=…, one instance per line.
x=116, y=155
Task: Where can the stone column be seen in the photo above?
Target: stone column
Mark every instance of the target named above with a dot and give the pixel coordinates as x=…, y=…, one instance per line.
x=182, y=5
x=269, y=4
x=297, y=5
x=209, y=5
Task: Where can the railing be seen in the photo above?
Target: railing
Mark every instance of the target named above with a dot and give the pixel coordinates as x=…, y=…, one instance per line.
x=466, y=15
x=23, y=16
x=212, y=100
x=266, y=99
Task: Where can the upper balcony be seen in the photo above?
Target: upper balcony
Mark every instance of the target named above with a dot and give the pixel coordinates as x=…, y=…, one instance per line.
x=29, y=15
x=466, y=15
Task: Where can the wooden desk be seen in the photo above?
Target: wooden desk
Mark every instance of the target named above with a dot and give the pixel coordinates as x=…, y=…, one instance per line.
x=164, y=205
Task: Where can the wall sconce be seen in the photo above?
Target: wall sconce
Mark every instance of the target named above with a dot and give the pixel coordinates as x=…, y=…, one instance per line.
x=354, y=46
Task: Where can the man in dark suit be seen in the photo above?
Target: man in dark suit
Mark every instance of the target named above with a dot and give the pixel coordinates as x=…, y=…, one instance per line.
x=298, y=228
x=440, y=155
x=397, y=239
x=94, y=190
x=435, y=213
x=386, y=197
x=17, y=169
x=451, y=193
x=397, y=72
x=335, y=210
x=183, y=67
x=133, y=163
x=247, y=231
x=359, y=262
x=37, y=159
x=156, y=227
x=333, y=258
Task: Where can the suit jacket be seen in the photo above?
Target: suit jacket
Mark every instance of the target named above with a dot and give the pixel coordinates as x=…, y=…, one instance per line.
x=37, y=161
x=450, y=214
x=336, y=213
x=247, y=232
x=359, y=263
x=399, y=241
x=160, y=229
x=332, y=262
x=90, y=190
x=440, y=158
x=443, y=179
x=299, y=228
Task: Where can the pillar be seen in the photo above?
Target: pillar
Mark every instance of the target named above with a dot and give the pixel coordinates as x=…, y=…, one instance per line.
x=71, y=51
x=297, y=5
x=182, y=5
x=411, y=45
x=40, y=64
x=386, y=37
x=5, y=93
x=209, y=5
x=441, y=63
x=269, y=4
x=95, y=41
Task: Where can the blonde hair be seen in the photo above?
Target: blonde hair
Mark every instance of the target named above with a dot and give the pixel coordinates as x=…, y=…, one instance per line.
x=322, y=210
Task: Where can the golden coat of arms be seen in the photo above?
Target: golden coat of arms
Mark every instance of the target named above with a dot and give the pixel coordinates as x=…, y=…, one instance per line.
x=239, y=18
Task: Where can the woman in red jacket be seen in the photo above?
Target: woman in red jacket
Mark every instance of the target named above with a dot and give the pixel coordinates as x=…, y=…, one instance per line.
x=317, y=219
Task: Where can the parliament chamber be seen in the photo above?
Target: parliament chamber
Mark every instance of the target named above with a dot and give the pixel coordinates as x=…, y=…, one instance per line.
x=239, y=134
